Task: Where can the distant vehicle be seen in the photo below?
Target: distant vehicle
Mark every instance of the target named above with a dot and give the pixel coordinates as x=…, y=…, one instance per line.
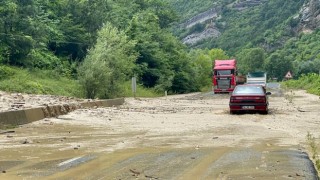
x=225, y=77
x=257, y=78
x=249, y=97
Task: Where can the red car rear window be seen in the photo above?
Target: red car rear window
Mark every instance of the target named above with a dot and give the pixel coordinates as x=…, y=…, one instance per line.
x=248, y=90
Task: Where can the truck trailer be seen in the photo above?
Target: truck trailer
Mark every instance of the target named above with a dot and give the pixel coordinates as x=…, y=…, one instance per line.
x=257, y=78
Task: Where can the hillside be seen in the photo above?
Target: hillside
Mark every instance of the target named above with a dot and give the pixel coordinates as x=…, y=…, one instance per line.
x=93, y=49
x=285, y=30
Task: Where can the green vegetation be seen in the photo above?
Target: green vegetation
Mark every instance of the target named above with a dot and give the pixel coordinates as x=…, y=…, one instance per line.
x=314, y=150
x=38, y=82
x=264, y=25
x=251, y=60
x=263, y=37
x=141, y=91
x=97, y=46
x=202, y=63
x=108, y=64
x=187, y=9
x=310, y=82
x=50, y=39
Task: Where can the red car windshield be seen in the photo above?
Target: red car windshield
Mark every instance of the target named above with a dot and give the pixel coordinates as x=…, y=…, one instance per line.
x=248, y=90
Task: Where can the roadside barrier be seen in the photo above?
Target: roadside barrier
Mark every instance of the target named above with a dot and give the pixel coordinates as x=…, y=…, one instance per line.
x=25, y=116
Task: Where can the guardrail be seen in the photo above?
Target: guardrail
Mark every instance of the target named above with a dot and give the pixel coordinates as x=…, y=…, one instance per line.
x=19, y=117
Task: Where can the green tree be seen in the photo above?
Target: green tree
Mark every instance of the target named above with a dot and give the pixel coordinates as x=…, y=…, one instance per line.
x=108, y=65
x=202, y=63
x=277, y=66
x=251, y=60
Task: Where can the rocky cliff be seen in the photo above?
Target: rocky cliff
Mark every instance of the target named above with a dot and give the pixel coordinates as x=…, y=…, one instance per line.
x=307, y=20
x=209, y=17
x=310, y=16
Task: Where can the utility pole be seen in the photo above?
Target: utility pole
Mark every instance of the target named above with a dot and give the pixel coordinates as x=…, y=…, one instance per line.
x=134, y=86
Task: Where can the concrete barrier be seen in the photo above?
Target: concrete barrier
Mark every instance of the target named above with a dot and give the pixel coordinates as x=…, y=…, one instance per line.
x=35, y=114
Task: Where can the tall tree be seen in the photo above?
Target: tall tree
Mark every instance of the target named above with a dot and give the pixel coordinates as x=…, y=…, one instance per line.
x=108, y=64
x=277, y=66
x=202, y=64
x=251, y=60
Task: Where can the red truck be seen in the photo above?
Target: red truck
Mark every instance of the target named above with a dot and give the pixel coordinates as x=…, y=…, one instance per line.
x=225, y=77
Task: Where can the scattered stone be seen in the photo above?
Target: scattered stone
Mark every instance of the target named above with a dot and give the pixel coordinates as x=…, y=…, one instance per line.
x=151, y=177
x=26, y=141
x=6, y=132
x=135, y=172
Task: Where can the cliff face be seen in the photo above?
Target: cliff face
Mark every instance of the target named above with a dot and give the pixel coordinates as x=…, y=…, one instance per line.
x=310, y=16
x=209, y=17
x=307, y=20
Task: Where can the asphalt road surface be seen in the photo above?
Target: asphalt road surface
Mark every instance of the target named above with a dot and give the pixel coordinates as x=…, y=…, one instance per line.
x=176, y=137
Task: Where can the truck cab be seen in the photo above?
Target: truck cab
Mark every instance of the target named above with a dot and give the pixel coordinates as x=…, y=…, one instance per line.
x=224, y=76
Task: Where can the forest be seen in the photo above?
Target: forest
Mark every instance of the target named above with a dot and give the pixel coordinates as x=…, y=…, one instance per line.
x=92, y=49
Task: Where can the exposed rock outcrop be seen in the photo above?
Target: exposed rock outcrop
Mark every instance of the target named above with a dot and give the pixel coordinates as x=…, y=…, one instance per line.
x=209, y=17
x=310, y=16
x=210, y=32
x=202, y=17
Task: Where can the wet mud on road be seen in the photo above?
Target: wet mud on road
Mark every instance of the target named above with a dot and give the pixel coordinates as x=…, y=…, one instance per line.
x=175, y=137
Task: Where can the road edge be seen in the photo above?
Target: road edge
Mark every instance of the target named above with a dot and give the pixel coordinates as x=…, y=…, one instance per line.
x=26, y=116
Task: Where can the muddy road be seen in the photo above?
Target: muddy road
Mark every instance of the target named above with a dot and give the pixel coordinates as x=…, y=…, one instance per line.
x=176, y=137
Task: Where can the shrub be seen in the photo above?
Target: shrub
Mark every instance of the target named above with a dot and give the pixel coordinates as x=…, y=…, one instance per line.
x=6, y=72
x=309, y=82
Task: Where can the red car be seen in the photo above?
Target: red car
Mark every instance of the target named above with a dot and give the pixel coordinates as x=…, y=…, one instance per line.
x=246, y=98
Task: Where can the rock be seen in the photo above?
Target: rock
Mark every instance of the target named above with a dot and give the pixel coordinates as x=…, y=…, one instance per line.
x=135, y=172
x=26, y=141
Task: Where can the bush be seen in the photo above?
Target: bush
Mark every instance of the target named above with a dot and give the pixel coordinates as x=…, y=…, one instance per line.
x=40, y=82
x=309, y=82
x=6, y=72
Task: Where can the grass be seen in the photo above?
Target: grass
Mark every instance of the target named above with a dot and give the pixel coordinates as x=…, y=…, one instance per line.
x=314, y=150
x=39, y=82
x=309, y=82
x=140, y=91
x=49, y=82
